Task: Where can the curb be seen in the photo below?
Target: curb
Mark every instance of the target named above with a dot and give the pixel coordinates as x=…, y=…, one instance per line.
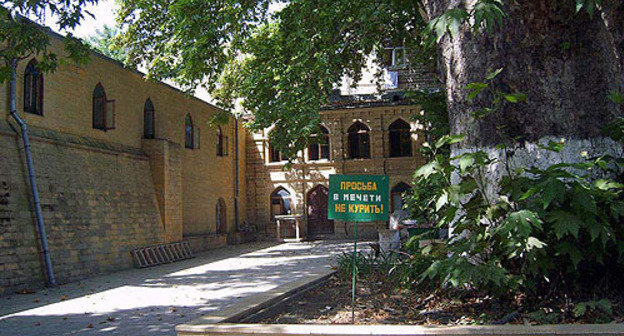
x=255, y=305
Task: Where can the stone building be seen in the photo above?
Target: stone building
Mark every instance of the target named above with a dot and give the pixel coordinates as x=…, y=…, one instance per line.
x=357, y=138
x=121, y=163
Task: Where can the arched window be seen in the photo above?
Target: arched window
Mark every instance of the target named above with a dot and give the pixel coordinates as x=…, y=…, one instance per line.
x=33, y=89
x=149, y=128
x=397, y=196
x=400, y=139
x=319, y=147
x=222, y=143
x=281, y=202
x=103, y=109
x=359, y=141
x=191, y=136
x=221, y=217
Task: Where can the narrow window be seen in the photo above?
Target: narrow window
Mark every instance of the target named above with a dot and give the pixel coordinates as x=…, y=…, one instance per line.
x=103, y=110
x=274, y=154
x=280, y=202
x=319, y=147
x=359, y=141
x=400, y=139
x=189, y=133
x=220, y=142
x=397, y=196
x=148, y=120
x=221, y=217
x=33, y=89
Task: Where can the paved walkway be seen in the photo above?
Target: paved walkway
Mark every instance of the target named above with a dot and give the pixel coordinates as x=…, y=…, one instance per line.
x=152, y=301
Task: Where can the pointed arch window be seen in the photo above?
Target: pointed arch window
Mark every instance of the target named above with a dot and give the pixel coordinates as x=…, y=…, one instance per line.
x=319, y=147
x=149, y=126
x=191, y=133
x=359, y=141
x=33, y=89
x=397, y=195
x=222, y=143
x=281, y=202
x=400, y=139
x=103, y=109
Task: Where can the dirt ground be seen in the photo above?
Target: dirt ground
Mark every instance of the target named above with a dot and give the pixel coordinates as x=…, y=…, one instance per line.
x=380, y=303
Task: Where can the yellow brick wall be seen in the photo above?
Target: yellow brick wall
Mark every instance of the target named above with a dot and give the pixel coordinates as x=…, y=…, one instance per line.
x=164, y=192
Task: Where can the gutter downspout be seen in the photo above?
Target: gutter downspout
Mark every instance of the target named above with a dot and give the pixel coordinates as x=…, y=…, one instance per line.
x=237, y=183
x=31, y=175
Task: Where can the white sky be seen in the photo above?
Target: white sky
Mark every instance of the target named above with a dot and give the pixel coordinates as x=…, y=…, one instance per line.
x=103, y=12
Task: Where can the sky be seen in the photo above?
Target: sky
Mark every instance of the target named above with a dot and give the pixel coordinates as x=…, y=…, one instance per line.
x=103, y=12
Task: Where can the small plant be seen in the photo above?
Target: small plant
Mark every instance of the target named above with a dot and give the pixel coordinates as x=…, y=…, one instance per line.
x=365, y=264
x=546, y=316
x=601, y=311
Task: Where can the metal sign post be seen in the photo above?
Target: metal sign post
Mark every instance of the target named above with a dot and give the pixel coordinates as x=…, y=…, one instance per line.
x=357, y=198
x=353, y=280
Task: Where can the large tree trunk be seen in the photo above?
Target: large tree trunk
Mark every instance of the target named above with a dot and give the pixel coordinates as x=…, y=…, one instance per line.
x=565, y=63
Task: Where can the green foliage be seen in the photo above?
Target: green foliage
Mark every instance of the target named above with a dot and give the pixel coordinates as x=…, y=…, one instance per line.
x=590, y=6
x=601, y=310
x=486, y=14
x=22, y=38
x=546, y=316
x=540, y=224
x=498, y=97
x=282, y=65
x=434, y=117
x=367, y=264
x=104, y=42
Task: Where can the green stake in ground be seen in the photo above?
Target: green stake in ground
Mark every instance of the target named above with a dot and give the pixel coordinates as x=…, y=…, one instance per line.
x=357, y=198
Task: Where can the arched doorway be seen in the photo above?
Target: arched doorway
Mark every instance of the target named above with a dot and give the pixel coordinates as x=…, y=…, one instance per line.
x=221, y=217
x=317, y=212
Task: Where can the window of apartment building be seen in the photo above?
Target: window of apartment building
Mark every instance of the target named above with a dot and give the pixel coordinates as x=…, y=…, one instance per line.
x=359, y=141
x=191, y=133
x=33, y=89
x=221, y=216
x=281, y=202
x=149, y=127
x=103, y=110
x=400, y=139
x=222, y=143
x=319, y=147
x=397, y=196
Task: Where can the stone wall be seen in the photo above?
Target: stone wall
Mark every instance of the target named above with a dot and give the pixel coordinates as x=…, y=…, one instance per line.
x=98, y=203
x=106, y=192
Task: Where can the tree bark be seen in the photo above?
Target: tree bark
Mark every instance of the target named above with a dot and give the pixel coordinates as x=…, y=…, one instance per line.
x=566, y=64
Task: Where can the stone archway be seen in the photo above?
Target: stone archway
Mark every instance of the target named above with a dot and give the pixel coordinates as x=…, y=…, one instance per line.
x=318, y=223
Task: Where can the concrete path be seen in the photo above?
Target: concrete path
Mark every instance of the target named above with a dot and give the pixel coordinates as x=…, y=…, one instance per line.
x=152, y=301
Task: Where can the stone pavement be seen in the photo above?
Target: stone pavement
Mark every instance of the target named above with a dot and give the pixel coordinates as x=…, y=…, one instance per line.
x=152, y=301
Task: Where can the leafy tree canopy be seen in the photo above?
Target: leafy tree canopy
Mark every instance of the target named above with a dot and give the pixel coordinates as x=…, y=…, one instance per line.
x=281, y=65
x=104, y=42
x=22, y=38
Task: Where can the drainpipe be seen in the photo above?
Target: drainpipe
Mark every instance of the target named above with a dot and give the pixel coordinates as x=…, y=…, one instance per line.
x=237, y=183
x=31, y=175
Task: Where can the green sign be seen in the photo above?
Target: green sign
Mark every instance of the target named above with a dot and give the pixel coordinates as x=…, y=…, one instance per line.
x=358, y=198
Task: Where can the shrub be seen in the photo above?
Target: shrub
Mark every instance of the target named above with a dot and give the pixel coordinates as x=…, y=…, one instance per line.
x=537, y=226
